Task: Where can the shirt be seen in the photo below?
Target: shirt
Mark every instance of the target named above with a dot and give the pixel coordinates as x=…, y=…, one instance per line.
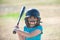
x=29, y=30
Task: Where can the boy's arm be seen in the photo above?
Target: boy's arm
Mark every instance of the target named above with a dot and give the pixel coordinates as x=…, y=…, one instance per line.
x=20, y=36
x=34, y=33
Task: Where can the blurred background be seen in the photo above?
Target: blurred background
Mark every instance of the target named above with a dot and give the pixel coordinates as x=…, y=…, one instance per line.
x=49, y=12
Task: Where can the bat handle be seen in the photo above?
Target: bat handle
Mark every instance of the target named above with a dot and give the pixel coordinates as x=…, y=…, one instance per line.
x=14, y=31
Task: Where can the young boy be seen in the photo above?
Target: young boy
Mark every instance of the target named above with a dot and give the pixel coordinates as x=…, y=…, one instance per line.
x=33, y=29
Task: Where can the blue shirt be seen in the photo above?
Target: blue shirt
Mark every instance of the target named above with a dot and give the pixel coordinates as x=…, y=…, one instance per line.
x=29, y=30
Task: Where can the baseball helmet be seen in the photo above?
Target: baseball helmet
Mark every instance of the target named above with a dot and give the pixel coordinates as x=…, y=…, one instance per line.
x=33, y=12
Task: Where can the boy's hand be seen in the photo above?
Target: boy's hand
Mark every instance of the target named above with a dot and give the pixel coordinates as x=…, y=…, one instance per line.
x=16, y=29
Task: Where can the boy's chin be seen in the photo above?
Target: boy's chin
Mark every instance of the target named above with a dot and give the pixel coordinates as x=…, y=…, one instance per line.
x=32, y=26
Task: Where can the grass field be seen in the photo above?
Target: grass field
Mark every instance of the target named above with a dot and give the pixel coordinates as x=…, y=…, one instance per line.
x=49, y=11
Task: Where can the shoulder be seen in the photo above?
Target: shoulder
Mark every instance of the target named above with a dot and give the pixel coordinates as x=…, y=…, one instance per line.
x=25, y=28
x=40, y=27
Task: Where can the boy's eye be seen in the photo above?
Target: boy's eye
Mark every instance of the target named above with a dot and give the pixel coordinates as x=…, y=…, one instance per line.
x=32, y=20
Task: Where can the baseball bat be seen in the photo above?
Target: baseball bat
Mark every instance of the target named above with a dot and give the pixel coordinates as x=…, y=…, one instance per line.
x=21, y=14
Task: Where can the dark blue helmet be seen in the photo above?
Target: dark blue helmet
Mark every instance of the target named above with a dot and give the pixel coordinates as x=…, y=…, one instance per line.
x=33, y=12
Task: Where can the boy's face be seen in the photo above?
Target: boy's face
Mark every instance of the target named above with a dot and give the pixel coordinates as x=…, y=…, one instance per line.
x=32, y=21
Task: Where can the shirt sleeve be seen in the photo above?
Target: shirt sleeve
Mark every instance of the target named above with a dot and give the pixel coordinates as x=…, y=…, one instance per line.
x=40, y=28
x=24, y=28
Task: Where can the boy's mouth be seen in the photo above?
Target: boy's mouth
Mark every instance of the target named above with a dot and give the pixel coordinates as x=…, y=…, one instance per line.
x=32, y=22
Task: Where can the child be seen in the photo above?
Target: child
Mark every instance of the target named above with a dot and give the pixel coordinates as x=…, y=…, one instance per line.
x=33, y=29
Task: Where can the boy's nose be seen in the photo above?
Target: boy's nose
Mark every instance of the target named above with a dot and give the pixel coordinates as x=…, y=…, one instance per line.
x=32, y=21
